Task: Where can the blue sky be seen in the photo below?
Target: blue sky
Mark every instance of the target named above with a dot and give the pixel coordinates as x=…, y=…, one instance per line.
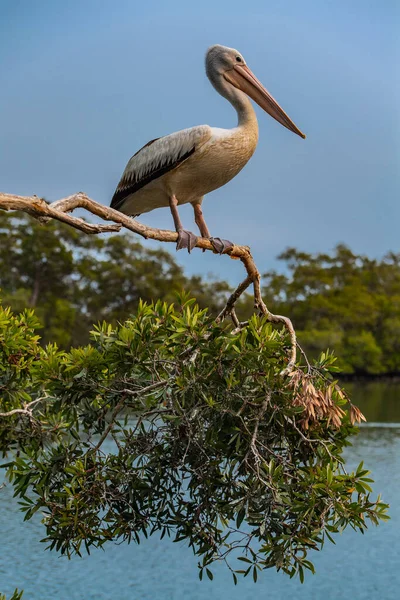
x=86, y=83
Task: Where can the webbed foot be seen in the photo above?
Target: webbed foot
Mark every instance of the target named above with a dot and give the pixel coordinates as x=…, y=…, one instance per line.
x=186, y=239
x=220, y=246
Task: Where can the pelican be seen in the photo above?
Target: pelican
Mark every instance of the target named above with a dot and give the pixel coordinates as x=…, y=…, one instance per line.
x=184, y=166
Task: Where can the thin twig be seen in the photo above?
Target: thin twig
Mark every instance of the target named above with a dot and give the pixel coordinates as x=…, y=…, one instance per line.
x=27, y=410
x=260, y=305
x=229, y=306
x=114, y=414
x=304, y=355
x=140, y=392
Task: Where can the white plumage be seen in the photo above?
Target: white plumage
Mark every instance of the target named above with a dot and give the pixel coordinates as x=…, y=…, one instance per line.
x=186, y=165
x=163, y=151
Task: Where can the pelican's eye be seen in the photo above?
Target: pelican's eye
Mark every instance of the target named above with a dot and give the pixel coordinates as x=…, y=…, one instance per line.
x=238, y=59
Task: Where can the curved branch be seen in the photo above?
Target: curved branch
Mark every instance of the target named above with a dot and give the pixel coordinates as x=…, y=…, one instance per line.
x=60, y=209
x=27, y=410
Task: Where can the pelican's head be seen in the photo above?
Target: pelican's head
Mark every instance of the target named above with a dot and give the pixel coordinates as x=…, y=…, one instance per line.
x=222, y=59
x=229, y=65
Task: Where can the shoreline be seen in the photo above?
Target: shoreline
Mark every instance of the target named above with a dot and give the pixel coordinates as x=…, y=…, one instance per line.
x=368, y=377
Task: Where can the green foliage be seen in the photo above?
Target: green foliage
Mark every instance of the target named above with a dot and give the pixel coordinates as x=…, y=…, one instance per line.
x=342, y=301
x=169, y=424
x=19, y=353
x=16, y=595
x=73, y=280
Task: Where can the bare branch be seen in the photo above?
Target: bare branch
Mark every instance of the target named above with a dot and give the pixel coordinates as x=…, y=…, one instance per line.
x=229, y=307
x=60, y=209
x=27, y=410
x=16, y=411
x=111, y=424
x=139, y=392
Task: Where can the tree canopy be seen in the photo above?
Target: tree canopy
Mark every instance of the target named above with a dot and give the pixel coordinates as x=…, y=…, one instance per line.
x=167, y=421
x=170, y=424
x=74, y=280
x=341, y=301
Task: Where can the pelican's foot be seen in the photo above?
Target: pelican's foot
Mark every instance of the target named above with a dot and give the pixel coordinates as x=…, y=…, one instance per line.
x=220, y=246
x=186, y=239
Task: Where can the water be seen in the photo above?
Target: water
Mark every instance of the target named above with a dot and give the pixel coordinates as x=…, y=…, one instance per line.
x=379, y=400
x=356, y=568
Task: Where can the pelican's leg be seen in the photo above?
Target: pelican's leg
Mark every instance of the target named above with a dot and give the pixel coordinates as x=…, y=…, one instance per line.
x=186, y=239
x=218, y=244
x=199, y=220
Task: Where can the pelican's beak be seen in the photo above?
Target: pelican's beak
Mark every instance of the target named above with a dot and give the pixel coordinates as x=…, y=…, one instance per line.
x=242, y=78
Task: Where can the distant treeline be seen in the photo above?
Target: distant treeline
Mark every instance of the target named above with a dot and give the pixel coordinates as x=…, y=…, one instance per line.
x=346, y=302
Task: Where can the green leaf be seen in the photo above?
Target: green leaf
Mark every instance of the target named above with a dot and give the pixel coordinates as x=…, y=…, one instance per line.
x=240, y=516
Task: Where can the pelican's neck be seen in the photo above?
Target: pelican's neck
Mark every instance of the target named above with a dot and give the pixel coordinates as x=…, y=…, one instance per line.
x=246, y=115
x=244, y=109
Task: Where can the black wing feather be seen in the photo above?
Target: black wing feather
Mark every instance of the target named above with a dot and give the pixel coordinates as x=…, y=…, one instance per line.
x=127, y=187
